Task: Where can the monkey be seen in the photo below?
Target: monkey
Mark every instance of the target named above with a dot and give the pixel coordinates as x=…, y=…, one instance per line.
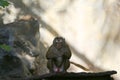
x=58, y=56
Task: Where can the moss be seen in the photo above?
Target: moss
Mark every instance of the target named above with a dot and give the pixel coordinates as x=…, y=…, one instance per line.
x=4, y=3
x=5, y=47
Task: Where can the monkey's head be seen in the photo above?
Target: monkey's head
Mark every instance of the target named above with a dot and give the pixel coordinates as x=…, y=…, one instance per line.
x=59, y=42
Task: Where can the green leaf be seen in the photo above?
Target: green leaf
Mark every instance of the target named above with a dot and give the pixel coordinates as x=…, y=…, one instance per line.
x=4, y=3
x=5, y=47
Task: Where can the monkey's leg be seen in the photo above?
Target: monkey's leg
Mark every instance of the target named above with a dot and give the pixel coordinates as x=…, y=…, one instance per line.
x=65, y=65
x=50, y=65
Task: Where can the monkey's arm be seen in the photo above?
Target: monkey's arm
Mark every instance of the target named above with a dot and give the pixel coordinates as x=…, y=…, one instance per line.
x=67, y=52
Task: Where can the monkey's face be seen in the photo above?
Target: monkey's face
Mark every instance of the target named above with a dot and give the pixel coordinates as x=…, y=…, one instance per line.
x=59, y=42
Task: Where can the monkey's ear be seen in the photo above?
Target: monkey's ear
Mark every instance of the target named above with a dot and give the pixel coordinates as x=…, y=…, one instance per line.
x=64, y=39
x=54, y=40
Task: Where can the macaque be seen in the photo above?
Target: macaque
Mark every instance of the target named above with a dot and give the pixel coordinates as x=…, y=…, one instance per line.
x=58, y=56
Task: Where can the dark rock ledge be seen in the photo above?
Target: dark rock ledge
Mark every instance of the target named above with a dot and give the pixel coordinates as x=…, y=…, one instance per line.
x=75, y=76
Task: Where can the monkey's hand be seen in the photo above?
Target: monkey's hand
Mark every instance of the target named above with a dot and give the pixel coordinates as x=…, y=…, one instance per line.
x=58, y=61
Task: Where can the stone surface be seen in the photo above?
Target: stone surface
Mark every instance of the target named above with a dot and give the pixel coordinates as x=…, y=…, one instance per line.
x=20, y=49
x=76, y=76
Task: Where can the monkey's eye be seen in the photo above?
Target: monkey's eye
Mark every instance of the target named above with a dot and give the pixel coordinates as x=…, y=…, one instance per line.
x=56, y=41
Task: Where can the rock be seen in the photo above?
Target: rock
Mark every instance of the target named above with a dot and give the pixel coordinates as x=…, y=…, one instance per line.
x=12, y=66
x=106, y=75
x=19, y=49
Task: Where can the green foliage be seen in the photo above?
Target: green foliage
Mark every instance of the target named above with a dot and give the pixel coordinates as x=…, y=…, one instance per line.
x=4, y=3
x=5, y=47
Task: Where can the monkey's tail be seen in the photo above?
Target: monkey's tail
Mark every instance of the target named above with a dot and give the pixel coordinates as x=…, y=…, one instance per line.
x=80, y=66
